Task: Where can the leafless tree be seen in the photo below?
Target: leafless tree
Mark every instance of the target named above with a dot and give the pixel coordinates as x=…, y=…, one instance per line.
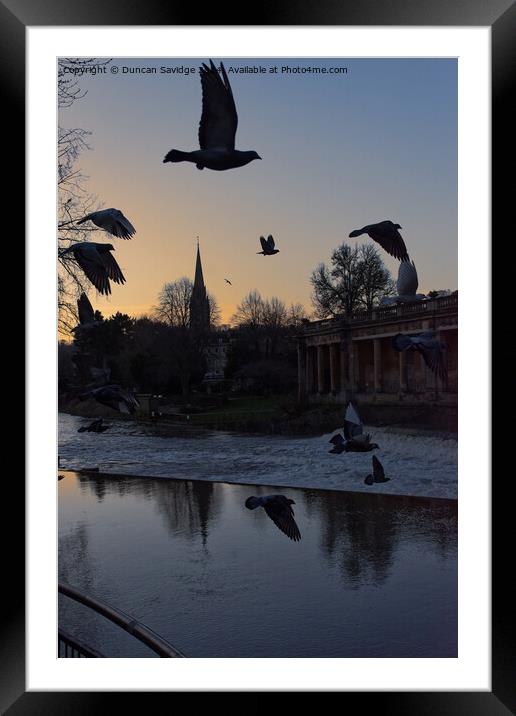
x=296, y=315
x=249, y=312
x=173, y=306
x=357, y=279
x=69, y=72
x=74, y=200
x=374, y=278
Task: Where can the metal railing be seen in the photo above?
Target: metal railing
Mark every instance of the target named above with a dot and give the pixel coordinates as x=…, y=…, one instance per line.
x=69, y=647
x=74, y=648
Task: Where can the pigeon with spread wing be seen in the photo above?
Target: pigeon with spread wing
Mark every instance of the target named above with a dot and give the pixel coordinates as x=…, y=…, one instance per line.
x=112, y=221
x=217, y=128
x=268, y=246
x=97, y=263
x=354, y=439
x=387, y=235
x=278, y=508
x=432, y=350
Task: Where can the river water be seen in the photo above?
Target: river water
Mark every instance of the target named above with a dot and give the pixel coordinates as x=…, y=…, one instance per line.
x=417, y=464
x=372, y=576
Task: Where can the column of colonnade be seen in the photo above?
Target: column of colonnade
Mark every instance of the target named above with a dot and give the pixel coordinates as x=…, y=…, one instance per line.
x=313, y=364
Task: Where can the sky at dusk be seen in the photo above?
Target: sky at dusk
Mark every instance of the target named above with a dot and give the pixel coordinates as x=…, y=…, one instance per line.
x=338, y=151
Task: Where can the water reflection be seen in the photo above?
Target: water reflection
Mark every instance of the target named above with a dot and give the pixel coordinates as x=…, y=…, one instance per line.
x=360, y=532
x=186, y=507
x=374, y=575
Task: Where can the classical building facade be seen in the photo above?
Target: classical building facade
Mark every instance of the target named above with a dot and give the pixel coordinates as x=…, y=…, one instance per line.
x=339, y=359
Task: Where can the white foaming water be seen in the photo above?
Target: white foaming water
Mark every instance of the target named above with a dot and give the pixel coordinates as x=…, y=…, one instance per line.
x=417, y=464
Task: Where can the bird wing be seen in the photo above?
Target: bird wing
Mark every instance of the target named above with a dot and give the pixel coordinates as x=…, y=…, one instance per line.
x=125, y=227
x=389, y=239
x=264, y=243
x=378, y=471
x=130, y=401
x=219, y=117
x=352, y=423
x=283, y=518
x=95, y=273
x=337, y=439
x=85, y=309
x=113, y=270
x=270, y=242
x=407, y=279
x=434, y=358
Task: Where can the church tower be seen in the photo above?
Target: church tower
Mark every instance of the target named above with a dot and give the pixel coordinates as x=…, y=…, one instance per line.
x=199, y=304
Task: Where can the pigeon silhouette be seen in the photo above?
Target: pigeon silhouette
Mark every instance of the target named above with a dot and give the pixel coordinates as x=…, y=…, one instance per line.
x=406, y=285
x=112, y=221
x=278, y=508
x=353, y=439
x=217, y=128
x=97, y=426
x=228, y=281
x=378, y=473
x=86, y=313
x=97, y=263
x=114, y=397
x=429, y=347
x=387, y=235
x=268, y=246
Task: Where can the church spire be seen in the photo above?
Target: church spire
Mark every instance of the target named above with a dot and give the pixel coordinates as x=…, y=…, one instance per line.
x=199, y=279
x=199, y=304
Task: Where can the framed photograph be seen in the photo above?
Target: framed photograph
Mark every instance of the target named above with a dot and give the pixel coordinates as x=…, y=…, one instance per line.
x=266, y=460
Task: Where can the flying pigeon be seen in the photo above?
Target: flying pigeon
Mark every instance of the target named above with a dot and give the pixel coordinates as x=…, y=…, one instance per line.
x=112, y=221
x=378, y=473
x=279, y=510
x=114, y=397
x=387, y=235
x=228, y=281
x=217, y=128
x=354, y=439
x=268, y=246
x=86, y=313
x=428, y=346
x=96, y=426
x=85, y=309
x=406, y=285
x=97, y=263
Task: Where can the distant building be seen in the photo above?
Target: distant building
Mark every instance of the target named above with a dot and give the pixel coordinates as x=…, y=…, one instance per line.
x=199, y=303
x=218, y=343
x=344, y=359
x=217, y=356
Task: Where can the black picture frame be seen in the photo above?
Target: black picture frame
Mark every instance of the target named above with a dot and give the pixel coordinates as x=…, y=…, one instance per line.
x=500, y=15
